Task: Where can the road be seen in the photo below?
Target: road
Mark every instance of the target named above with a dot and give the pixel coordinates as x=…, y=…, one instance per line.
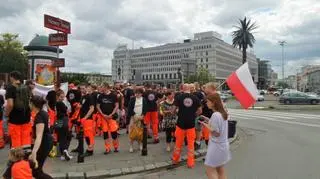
x=274, y=145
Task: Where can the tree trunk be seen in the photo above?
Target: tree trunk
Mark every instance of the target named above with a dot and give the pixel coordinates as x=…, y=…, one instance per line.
x=244, y=55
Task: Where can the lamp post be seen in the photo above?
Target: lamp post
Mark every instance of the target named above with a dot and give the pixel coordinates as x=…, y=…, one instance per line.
x=282, y=44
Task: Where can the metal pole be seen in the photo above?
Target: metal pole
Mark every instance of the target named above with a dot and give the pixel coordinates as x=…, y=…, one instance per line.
x=58, y=71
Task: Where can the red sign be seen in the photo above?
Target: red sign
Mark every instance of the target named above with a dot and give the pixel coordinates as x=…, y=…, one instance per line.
x=58, y=39
x=58, y=62
x=57, y=24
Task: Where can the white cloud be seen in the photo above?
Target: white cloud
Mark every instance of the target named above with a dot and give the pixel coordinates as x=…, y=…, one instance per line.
x=99, y=26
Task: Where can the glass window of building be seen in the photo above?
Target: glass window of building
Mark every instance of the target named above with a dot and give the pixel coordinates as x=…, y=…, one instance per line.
x=166, y=76
x=201, y=60
x=175, y=75
x=170, y=76
x=207, y=53
x=206, y=66
x=207, y=59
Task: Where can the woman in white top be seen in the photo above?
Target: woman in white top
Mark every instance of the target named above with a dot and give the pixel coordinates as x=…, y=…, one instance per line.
x=218, y=153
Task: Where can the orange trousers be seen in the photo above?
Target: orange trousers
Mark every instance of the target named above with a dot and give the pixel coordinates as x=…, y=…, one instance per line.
x=97, y=123
x=110, y=127
x=2, y=142
x=152, y=118
x=88, y=132
x=20, y=135
x=205, y=133
x=180, y=136
x=21, y=170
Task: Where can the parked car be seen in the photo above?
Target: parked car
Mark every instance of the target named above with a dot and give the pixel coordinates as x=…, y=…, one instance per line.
x=298, y=98
x=260, y=98
x=276, y=93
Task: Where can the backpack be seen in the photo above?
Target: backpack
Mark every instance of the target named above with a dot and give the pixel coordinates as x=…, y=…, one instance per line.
x=23, y=95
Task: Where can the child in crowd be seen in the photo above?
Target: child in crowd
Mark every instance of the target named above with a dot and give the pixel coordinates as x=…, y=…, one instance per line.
x=18, y=168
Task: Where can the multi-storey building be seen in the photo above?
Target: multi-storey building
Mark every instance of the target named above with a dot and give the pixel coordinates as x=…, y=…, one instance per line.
x=160, y=64
x=265, y=74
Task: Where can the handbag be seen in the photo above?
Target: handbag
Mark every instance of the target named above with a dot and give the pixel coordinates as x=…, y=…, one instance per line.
x=136, y=132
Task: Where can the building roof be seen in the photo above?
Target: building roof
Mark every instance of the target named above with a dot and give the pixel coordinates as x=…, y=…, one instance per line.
x=41, y=42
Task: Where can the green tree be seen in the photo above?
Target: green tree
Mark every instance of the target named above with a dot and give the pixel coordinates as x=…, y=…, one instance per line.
x=12, y=55
x=202, y=76
x=75, y=78
x=243, y=36
x=282, y=84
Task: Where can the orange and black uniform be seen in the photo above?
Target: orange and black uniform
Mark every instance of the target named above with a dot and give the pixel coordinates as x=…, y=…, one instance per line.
x=88, y=128
x=152, y=115
x=188, y=105
x=46, y=144
x=96, y=116
x=107, y=104
x=21, y=169
x=19, y=122
x=74, y=98
x=2, y=142
x=64, y=136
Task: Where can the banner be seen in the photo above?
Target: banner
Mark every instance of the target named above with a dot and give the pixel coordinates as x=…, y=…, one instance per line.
x=41, y=90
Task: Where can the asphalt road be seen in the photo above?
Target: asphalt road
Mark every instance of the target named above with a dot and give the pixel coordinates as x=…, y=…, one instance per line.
x=273, y=145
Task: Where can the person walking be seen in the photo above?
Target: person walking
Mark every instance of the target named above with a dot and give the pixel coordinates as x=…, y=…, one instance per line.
x=43, y=140
x=169, y=118
x=189, y=107
x=18, y=112
x=218, y=153
x=61, y=126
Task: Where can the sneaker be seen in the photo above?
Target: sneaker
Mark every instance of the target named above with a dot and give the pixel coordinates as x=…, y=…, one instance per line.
x=62, y=158
x=106, y=152
x=141, y=147
x=168, y=149
x=131, y=149
x=156, y=141
x=88, y=153
x=116, y=151
x=66, y=155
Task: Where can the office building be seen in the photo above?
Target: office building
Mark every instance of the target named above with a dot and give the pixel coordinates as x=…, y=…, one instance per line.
x=160, y=64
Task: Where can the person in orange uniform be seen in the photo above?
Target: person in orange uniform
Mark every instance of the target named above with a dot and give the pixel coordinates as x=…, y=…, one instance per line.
x=2, y=142
x=152, y=117
x=86, y=111
x=74, y=98
x=51, y=105
x=18, y=112
x=18, y=168
x=188, y=106
x=108, y=106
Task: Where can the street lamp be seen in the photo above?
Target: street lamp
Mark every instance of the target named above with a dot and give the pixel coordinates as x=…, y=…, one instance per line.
x=282, y=44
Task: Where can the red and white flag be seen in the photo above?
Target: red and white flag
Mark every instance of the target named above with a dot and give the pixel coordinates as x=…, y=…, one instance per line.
x=242, y=86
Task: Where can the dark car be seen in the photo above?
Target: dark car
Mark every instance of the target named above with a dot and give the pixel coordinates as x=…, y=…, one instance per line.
x=298, y=98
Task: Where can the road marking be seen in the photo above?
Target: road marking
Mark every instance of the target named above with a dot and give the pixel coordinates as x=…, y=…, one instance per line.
x=306, y=116
x=282, y=121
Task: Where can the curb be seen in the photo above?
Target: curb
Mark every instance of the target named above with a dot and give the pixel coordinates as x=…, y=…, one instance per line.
x=132, y=170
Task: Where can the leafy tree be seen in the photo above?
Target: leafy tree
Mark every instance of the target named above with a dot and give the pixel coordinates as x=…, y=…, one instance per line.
x=12, y=55
x=282, y=84
x=75, y=78
x=202, y=76
x=243, y=36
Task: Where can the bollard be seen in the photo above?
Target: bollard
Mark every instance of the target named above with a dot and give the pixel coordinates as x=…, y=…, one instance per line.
x=144, y=151
x=81, y=147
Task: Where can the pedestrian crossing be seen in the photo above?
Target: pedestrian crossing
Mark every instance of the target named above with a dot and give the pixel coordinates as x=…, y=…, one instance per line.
x=308, y=120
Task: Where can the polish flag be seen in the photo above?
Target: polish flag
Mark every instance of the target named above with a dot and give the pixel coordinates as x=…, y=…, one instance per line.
x=241, y=84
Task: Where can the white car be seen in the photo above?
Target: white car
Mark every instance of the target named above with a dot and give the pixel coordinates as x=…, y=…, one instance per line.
x=260, y=98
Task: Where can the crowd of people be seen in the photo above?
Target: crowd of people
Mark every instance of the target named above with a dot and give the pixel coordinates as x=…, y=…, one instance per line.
x=37, y=125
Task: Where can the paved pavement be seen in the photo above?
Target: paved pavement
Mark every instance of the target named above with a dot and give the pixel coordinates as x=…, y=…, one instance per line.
x=277, y=145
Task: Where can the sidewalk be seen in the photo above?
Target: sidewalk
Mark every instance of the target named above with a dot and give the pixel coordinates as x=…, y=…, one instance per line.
x=113, y=164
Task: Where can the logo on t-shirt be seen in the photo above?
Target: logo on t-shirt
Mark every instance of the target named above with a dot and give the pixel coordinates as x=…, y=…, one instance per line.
x=187, y=102
x=106, y=101
x=83, y=101
x=71, y=96
x=151, y=97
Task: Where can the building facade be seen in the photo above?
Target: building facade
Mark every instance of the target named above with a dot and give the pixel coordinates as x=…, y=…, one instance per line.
x=265, y=74
x=93, y=78
x=160, y=64
x=291, y=80
x=274, y=78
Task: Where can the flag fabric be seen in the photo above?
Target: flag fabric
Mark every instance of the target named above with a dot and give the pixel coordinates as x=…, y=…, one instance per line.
x=242, y=86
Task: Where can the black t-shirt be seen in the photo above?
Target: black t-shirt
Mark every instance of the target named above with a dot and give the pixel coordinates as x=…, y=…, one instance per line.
x=188, y=105
x=127, y=93
x=151, y=98
x=74, y=96
x=200, y=95
x=61, y=109
x=52, y=99
x=107, y=102
x=95, y=96
x=17, y=116
x=205, y=110
x=86, y=102
x=1, y=106
x=42, y=118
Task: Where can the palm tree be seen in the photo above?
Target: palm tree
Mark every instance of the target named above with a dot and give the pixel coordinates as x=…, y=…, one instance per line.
x=243, y=36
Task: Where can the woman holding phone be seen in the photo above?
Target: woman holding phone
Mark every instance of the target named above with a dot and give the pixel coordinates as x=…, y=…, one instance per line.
x=218, y=153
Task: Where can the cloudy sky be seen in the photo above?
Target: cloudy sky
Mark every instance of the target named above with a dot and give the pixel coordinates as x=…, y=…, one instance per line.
x=99, y=26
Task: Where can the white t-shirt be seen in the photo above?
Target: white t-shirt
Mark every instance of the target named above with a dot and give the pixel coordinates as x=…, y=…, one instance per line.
x=138, y=106
x=219, y=125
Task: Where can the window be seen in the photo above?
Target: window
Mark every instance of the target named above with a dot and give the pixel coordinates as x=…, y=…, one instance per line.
x=158, y=76
x=170, y=76
x=207, y=53
x=175, y=75
x=166, y=76
x=161, y=76
x=206, y=66
x=201, y=60
x=207, y=59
